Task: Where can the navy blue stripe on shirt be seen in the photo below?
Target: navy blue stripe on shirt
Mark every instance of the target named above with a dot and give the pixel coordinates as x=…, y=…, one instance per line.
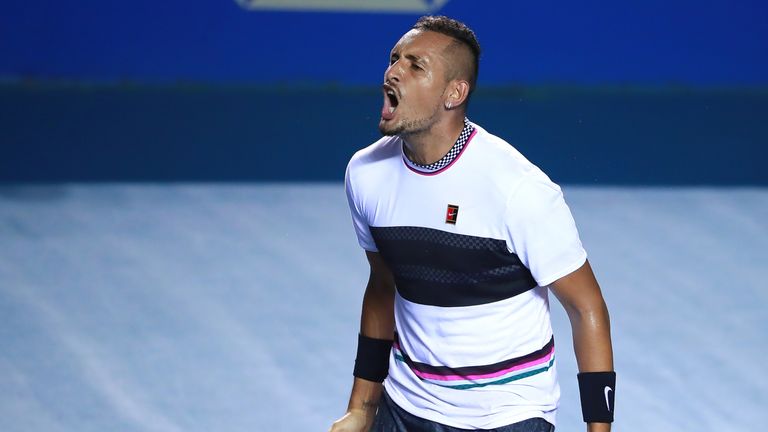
x=439, y=268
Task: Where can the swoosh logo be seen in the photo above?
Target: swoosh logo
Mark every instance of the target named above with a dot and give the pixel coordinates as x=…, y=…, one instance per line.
x=607, y=404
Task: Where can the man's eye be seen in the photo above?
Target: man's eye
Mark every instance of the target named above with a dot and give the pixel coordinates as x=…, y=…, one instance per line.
x=416, y=67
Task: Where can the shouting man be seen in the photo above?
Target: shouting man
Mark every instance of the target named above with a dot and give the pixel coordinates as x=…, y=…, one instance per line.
x=465, y=238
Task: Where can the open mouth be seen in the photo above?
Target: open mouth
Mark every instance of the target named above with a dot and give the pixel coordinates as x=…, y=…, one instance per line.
x=391, y=101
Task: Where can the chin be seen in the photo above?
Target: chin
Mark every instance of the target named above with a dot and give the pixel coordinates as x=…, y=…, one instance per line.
x=387, y=132
x=390, y=129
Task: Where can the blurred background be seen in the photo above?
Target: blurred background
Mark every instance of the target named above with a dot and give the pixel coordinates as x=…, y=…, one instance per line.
x=175, y=249
x=647, y=92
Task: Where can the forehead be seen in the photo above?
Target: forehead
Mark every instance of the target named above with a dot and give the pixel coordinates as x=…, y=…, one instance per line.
x=422, y=43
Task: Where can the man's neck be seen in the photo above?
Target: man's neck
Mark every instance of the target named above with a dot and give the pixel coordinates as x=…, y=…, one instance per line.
x=430, y=146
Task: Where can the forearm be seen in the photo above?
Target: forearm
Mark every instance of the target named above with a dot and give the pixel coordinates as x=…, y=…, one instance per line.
x=361, y=411
x=592, y=346
x=598, y=427
x=365, y=397
x=377, y=321
x=592, y=338
x=580, y=295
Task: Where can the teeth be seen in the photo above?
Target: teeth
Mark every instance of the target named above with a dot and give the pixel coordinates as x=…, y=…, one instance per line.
x=391, y=110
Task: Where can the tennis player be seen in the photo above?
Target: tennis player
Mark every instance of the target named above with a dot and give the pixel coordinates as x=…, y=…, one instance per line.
x=465, y=239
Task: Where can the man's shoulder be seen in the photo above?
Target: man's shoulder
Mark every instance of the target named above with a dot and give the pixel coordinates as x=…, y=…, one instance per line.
x=384, y=148
x=499, y=157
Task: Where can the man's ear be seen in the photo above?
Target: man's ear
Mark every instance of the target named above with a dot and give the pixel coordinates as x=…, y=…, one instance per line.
x=458, y=91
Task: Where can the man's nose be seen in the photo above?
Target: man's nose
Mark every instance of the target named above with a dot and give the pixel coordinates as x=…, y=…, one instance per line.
x=393, y=72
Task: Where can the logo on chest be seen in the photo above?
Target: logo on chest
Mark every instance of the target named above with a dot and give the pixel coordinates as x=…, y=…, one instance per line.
x=452, y=214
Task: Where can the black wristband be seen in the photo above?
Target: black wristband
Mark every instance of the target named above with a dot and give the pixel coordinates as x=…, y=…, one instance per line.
x=597, y=391
x=372, y=362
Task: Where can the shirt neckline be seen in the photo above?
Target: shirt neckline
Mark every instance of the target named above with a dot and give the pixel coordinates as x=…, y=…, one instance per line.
x=467, y=132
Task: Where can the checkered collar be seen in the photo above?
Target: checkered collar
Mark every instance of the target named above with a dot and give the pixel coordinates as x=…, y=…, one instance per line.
x=449, y=157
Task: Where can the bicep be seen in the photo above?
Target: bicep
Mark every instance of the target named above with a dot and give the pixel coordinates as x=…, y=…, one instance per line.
x=380, y=278
x=377, y=318
x=579, y=290
x=580, y=295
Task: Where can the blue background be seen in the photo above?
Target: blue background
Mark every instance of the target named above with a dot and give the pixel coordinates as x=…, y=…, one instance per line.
x=648, y=92
x=651, y=41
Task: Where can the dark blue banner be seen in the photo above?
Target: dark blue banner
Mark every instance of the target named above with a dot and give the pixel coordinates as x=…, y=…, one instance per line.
x=720, y=42
x=192, y=133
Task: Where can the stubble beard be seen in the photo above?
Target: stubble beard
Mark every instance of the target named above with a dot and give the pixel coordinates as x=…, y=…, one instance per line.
x=405, y=128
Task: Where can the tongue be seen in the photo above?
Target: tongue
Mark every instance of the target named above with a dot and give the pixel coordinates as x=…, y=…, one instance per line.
x=387, y=112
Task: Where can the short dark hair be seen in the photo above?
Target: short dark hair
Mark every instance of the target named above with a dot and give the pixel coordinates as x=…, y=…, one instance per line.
x=463, y=35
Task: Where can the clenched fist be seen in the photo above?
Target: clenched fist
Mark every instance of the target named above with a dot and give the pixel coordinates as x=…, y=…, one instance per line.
x=355, y=420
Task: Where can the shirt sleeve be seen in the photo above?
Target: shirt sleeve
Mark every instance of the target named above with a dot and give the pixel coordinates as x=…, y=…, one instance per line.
x=364, y=237
x=542, y=230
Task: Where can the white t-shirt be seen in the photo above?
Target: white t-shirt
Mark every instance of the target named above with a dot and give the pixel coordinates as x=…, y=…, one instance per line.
x=472, y=247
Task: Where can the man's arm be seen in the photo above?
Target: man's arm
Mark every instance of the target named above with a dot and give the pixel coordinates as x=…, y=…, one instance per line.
x=377, y=321
x=580, y=295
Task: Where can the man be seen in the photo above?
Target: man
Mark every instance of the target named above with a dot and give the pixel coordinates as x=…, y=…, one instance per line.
x=464, y=238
